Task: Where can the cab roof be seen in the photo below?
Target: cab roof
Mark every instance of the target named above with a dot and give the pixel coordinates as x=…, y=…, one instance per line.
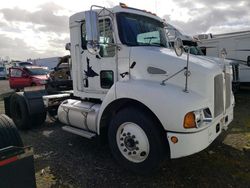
x=117, y=9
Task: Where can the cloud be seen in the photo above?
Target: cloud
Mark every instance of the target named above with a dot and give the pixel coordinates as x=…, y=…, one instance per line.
x=215, y=16
x=59, y=43
x=37, y=34
x=44, y=16
x=14, y=47
x=18, y=49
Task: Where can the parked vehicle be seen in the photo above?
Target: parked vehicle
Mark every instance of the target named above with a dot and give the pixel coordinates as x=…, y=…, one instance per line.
x=27, y=76
x=3, y=73
x=60, y=77
x=188, y=41
x=151, y=101
x=237, y=46
x=21, y=64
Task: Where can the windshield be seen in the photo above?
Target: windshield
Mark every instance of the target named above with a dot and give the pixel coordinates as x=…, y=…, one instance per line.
x=137, y=30
x=25, y=64
x=37, y=71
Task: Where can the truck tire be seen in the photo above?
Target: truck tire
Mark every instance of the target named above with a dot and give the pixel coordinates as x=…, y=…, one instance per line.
x=9, y=135
x=136, y=141
x=20, y=114
x=19, y=111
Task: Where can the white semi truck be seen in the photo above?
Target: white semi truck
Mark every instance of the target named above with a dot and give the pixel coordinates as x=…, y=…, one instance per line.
x=154, y=102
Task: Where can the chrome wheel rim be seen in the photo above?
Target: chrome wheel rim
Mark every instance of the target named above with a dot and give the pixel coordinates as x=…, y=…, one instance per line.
x=132, y=142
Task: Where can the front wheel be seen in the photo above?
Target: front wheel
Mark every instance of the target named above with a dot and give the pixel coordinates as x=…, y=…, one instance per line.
x=136, y=141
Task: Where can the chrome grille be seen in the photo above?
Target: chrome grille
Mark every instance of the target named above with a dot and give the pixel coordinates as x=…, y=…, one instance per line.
x=218, y=95
x=228, y=89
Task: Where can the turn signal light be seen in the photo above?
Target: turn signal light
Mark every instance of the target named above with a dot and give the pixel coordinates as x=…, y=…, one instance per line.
x=189, y=121
x=174, y=139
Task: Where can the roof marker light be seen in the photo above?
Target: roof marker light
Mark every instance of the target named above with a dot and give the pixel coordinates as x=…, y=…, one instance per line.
x=123, y=5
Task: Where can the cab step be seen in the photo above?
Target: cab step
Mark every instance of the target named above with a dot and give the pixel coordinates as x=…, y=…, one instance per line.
x=80, y=132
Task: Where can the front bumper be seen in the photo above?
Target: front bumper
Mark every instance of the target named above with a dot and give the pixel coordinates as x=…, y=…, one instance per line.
x=190, y=143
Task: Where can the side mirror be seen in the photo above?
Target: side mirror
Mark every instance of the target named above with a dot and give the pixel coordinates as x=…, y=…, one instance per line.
x=92, y=32
x=248, y=61
x=178, y=47
x=68, y=46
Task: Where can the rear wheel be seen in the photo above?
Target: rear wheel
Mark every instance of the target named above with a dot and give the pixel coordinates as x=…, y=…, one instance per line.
x=9, y=135
x=19, y=111
x=136, y=141
x=20, y=114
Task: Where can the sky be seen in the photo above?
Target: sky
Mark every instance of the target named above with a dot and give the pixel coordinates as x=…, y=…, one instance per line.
x=39, y=28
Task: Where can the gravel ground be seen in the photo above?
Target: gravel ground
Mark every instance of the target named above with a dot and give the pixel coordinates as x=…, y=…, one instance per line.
x=66, y=160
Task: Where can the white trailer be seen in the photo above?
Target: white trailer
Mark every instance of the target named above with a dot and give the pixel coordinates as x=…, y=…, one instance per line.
x=237, y=46
x=50, y=62
x=154, y=101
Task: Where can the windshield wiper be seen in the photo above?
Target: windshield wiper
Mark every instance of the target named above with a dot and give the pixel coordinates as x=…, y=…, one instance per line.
x=150, y=38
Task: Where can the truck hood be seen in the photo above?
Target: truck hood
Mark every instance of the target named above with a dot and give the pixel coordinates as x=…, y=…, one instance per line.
x=216, y=60
x=202, y=69
x=166, y=59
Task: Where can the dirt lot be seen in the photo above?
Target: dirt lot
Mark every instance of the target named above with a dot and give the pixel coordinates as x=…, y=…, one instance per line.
x=66, y=160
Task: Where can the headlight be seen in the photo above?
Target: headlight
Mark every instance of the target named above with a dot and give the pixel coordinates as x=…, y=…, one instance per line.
x=189, y=120
x=197, y=118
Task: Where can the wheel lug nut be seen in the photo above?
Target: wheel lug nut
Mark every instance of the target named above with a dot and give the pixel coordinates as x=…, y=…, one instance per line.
x=136, y=142
x=137, y=148
x=129, y=153
x=128, y=133
x=133, y=136
x=121, y=138
x=122, y=144
x=124, y=134
x=134, y=152
x=143, y=153
x=125, y=150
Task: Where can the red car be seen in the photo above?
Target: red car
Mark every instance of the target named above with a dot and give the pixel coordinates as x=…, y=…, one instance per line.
x=21, y=77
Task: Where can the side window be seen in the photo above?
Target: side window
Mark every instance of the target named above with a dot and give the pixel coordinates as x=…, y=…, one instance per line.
x=16, y=73
x=83, y=31
x=107, y=79
x=107, y=49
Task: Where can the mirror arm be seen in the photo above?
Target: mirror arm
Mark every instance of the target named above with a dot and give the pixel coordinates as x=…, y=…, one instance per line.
x=173, y=75
x=103, y=8
x=187, y=72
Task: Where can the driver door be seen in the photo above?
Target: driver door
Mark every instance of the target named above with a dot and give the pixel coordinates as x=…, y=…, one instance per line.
x=99, y=70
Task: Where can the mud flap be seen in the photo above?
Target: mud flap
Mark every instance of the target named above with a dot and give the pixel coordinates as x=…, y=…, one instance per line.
x=34, y=101
x=17, y=167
